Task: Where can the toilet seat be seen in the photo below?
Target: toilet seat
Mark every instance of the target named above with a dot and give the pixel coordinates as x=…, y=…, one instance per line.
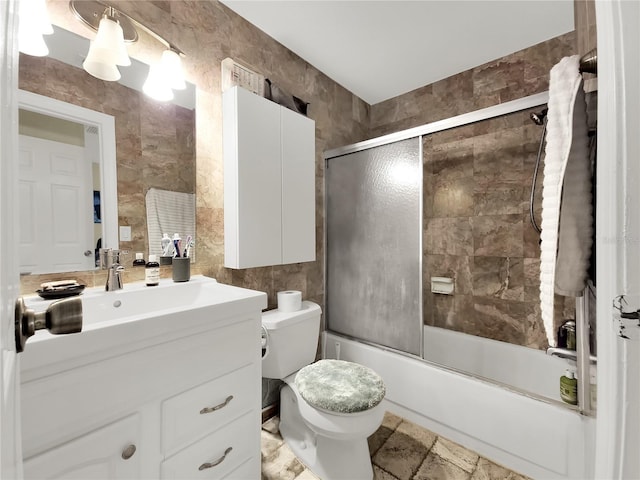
x=340, y=387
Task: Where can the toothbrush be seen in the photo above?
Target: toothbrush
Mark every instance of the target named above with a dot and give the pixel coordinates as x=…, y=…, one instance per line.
x=188, y=244
x=187, y=252
x=176, y=244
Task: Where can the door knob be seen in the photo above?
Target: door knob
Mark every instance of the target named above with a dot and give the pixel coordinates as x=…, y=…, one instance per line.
x=128, y=452
x=61, y=317
x=88, y=253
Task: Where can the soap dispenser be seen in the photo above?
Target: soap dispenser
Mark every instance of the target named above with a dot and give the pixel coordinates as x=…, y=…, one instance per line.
x=569, y=388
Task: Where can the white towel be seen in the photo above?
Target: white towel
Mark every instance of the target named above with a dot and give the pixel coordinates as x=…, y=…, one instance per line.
x=565, y=245
x=169, y=212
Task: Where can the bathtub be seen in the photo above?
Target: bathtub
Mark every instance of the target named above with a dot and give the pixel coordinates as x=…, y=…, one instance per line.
x=524, y=369
x=540, y=439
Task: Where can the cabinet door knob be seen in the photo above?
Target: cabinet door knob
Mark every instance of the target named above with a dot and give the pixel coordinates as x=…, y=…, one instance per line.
x=217, y=462
x=128, y=452
x=217, y=407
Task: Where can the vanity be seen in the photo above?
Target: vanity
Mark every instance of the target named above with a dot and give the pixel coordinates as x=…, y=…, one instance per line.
x=162, y=382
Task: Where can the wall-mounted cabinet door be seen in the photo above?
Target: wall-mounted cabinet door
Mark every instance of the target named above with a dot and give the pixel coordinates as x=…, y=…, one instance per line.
x=298, y=187
x=269, y=182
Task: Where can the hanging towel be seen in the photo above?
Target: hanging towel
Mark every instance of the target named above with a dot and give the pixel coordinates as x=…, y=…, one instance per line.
x=565, y=246
x=169, y=212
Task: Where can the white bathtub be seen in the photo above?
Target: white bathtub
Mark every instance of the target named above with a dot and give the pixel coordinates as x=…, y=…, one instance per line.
x=524, y=369
x=542, y=440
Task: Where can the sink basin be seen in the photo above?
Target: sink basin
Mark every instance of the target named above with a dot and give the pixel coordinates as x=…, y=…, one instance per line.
x=136, y=317
x=137, y=300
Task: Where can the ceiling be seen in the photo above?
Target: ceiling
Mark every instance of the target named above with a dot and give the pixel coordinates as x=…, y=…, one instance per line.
x=382, y=49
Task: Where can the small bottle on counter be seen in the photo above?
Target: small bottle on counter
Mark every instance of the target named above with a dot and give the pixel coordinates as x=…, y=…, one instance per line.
x=139, y=261
x=152, y=272
x=569, y=388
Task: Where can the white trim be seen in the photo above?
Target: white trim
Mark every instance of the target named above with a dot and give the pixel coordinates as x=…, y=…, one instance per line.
x=107, y=151
x=446, y=124
x=10, y=435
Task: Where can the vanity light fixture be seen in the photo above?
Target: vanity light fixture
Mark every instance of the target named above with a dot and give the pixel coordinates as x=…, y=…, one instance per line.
x=108, y=50
x=33, y=24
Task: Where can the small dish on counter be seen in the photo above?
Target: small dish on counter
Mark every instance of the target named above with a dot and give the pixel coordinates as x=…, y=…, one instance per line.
x=55, y=293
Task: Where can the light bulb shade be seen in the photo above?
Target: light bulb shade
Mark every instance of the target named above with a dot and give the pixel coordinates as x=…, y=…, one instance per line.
x=172, y=67
x=33, y=24
x=156, y=85
x=110, y=38
x=32, y=43
x=100, y=63
x=41, y=15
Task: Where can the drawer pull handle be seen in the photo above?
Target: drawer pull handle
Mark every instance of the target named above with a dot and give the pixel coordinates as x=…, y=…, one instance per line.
x=204, y=466
x=128, y=452
x=217, y=407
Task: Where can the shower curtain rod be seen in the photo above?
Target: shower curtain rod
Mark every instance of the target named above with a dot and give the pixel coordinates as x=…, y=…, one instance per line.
x=589, y=62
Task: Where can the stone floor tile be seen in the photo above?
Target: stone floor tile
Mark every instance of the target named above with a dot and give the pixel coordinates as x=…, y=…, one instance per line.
x=435, y=467
x=281, y=465
x=307, y=474
x=487, y=470
x=424, y=436
x=400, y=455
x=456, y=454
x=269, y=443
x=377, y=439
x=400, y=450
x=379, y=474
x=391, y=421
x=272, y=425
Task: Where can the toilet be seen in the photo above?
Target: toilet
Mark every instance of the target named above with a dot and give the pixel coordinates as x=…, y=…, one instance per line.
x=327, y=408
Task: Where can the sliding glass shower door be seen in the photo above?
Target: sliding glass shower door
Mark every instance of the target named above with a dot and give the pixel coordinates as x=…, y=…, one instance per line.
x=374, y=250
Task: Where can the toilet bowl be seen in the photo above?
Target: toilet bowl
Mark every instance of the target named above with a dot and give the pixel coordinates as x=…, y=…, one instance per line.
x=327, y=408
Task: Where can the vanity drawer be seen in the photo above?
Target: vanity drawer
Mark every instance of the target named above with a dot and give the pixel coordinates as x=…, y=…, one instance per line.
x=207, y=458
x=203, y=409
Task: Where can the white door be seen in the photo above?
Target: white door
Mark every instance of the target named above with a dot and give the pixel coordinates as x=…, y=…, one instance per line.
x=618, y=231
x=56, y=207
x=10, y=447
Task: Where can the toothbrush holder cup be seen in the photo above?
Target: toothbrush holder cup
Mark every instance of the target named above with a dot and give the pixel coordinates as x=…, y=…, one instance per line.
x=181, y=269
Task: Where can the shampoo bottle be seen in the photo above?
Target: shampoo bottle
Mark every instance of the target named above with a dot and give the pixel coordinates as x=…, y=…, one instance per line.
x=152, y=272
x=569, y=388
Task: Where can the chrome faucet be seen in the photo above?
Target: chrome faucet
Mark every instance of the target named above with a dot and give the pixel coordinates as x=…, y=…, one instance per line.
x=110, y=261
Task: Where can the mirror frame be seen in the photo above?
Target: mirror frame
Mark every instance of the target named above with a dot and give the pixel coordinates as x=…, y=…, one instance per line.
x=105, y=124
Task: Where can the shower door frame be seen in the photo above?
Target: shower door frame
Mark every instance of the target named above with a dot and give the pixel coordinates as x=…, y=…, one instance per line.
x=513, y=106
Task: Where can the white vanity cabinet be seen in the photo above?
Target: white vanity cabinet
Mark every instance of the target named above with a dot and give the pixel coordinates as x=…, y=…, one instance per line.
x=181, y=401
x=269, y=182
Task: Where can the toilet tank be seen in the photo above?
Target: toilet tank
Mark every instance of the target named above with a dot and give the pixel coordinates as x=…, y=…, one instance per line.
x=291, y=340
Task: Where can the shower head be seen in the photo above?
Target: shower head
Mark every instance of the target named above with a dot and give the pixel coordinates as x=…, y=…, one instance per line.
x=538, y=118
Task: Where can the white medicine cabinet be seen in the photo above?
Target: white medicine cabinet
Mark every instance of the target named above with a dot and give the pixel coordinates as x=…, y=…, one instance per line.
x=269, y=182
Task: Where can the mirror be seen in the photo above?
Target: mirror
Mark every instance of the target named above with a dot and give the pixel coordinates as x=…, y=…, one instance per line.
x=140, y=144
x=67, y=185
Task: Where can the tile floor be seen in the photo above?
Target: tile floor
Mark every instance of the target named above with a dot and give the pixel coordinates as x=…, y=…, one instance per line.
x=400, y=450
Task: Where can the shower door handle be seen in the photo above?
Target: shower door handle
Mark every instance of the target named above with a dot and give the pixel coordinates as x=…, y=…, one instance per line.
x=568, y=354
